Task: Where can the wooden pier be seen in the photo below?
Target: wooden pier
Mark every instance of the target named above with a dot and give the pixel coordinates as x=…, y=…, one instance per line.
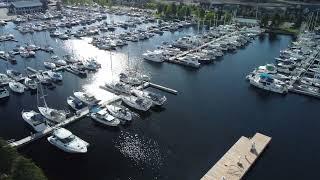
x=238, y=160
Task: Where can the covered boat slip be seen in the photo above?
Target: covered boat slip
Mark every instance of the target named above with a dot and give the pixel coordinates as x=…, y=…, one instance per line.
x=239, y=158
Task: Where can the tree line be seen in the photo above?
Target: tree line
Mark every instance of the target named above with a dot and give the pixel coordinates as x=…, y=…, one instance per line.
x=13, y=166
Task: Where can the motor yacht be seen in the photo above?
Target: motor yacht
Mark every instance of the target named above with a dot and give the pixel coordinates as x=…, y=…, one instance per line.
x=105, y=118
x=120, y=112
x=66, y=141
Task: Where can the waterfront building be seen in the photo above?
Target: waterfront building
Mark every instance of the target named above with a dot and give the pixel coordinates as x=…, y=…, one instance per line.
x=26, y=7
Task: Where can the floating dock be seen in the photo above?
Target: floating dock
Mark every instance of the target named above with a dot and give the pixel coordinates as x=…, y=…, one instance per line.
x=238, y=160
x=172, y=91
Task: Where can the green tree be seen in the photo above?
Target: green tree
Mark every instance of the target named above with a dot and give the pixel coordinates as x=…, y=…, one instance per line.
x=276, y=20
x=264, y=20
x=174, y=8
x=160, y=8
x=25, y=169
x=15, y=167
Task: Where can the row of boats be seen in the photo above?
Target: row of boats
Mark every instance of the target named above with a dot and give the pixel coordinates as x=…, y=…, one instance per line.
x=194, y=50
x=297, y=67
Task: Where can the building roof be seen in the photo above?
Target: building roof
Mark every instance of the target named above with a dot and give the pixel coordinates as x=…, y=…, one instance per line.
x=21, y=4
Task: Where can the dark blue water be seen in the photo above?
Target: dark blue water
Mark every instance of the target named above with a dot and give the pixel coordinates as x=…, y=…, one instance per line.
x=214, y=108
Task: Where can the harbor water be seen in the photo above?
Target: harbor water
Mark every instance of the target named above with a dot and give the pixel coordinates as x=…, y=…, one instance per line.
x=215, y=106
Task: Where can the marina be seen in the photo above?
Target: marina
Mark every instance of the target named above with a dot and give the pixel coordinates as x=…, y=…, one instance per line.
x=160, y=115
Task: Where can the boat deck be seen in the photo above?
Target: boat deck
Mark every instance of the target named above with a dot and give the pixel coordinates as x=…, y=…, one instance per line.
x=239, y=158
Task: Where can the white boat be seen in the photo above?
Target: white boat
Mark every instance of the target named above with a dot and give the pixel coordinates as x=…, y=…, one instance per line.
x=49, y=65
x=55, y=76
x=16, y=87
x=105, y=118
x=268, y=68
x=155, y=56
x=66, y=141
x=118, y=87
x=35, y=120
x=44, y=79
x=156, y=99
x=14, y=74
x=75, y=103
x=120, y=112
x=85, y=97
x=188, y=61
x=52, y=114
x=4, y=78
x=30, y=83
x=58, y=61
x=266, y=82
x=129, y=79
x=91, y=65
x=77, y=70
x=4, y=93
x=138, y=103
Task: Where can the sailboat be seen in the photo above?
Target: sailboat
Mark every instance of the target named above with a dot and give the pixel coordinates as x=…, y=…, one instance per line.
x=51, y=114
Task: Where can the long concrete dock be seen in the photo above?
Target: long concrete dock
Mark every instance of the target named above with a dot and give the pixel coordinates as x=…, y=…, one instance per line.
x=47, y=131
x=239, y=159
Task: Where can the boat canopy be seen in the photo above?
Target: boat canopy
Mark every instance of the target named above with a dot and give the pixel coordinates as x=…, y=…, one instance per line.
x=62, y=133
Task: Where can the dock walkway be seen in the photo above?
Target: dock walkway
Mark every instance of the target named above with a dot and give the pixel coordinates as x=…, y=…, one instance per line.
x=238, y=160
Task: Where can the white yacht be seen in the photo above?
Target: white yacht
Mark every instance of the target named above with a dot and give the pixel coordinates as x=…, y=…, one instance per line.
x=14, y=74
x=30, y=83
x=120, y=112
x=156, y=99
x=55, y=76
x=266, y=82
x=85, y=97
x=35, y=120
x=138, y=103
x=49, y=65
x=75, y=103
x=16, y=87
x=118, y=87
x=4, y=93
x=66, y=141
x=155, y=56
x=105, y=118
